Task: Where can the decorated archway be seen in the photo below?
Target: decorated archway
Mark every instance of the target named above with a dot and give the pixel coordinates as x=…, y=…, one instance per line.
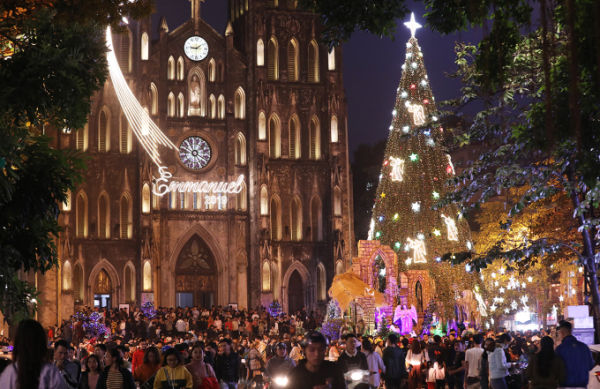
x=196, y=275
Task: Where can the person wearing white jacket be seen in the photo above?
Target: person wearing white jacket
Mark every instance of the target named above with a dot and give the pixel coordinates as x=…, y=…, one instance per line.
x=375, y=364
x=498, y=364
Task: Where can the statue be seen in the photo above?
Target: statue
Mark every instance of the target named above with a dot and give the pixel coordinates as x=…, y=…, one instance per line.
x=195, y=96
x=405, y=318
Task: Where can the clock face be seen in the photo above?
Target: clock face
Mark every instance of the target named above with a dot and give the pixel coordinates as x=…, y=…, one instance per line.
x=195, y=152
x=195, y=48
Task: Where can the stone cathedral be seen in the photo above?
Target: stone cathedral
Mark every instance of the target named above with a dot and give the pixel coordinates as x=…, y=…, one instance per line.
x=260, y=108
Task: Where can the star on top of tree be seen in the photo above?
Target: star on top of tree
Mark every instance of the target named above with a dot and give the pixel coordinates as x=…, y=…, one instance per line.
x=412, y=24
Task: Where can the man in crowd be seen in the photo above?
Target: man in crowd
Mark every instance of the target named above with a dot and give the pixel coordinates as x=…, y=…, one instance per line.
x=315, y=372
x=576, y=356
x=473, y=360
x=394, y=360
x=280, y=364
x=352, y=359
x=227, y=364
x=68, y=370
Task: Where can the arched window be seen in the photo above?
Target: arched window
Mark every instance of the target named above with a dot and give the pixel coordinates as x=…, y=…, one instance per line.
x=146, y=198
x=275, y=219
x=104, y=130
x=212, y=70
x=339, y=267
x=81, y=211
x=78, y=283
x=125, y=51
x=240, y=149
x=294, y=137
x=321, y=283
x=262, y=126
x=147, y=276
x=67, y=275
x=403, y=284
x=331, y=59
x=145, y=47
x=124, y=135
x=129, y=283
x=266, y=277
x=239, y=106
x=292, y=60
x=180, y=70
x=419, y=296
x=171, y=68
x=260, y=53
x=180, y=105
x=273, y=59
x=125, y=217
x=212, y=106
x=82, y=138
x=316, y=219
x=171, y=105
x=103, y=216
x=221, y=107
x=334, y=129
x=315, y=138
x=241, y=199
x=66, y=205
x=313, y=62
x=196, y=93
x=274, y=137
x=296, y=219
x=172, y=200
x=264, y=201
x=153, y=99
x=337, y=201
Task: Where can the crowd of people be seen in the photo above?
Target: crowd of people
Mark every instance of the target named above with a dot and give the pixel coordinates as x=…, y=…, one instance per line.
x=225, y=348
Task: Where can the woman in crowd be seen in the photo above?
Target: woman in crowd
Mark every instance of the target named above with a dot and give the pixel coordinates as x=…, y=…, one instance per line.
x=89, y=378
x=115, y=376
x=30, y=368
x=144, y=374
x=545, y=370
x=173, y=375
x=415, y=359
x=375, y=364
x=203, y=374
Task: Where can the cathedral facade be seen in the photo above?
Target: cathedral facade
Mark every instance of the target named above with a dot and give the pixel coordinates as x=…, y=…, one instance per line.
x=260, y=109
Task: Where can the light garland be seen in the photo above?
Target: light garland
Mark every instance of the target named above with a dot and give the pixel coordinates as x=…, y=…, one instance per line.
x=418, y=248
x=451, y=227
x=397, y=165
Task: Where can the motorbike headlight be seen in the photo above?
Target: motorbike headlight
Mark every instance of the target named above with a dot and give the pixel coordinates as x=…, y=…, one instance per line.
x=356, y=375
x=281, y=381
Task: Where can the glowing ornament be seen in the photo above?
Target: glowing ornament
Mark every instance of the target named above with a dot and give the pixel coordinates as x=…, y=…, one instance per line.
x=397, y=172
x=408, y=55
x=403, y=66
x=506, y=310
x=413, y=65
x=425, y=101
x=493, y=275
x=405, y=129
x=404, y=94
x=469, y=245
x=430, y=142
x=502, y=290
x=434, y=118
x=412, y=25
x=394, y=112
x=529, y=279
x=413, y=86
x=423, y=82
x=468, y=268
x=414, y=157
x=437, y=232
x=418, y=113
x=514, y=305
x=378, y=234
x=391, y=127
x=382, y=195
x=451, y=227
x=502, y=270
x=416, y=206
x=380, y=218
x=396, y=216
x=420, y=236
x=438, y=259
x=418, y=248
x=496, y=284
x=435, y=195
x=397, y=245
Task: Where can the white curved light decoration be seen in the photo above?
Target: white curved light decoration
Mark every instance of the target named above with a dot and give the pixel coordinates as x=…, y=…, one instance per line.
x=145, y=130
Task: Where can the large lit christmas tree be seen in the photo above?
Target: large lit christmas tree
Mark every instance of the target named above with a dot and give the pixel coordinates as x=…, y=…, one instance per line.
x=413, y=178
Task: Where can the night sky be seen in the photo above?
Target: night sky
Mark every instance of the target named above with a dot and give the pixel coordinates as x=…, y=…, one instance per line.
x=371, y=65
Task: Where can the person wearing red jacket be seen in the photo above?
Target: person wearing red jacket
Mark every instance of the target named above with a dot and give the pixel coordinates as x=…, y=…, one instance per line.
x=138, y=356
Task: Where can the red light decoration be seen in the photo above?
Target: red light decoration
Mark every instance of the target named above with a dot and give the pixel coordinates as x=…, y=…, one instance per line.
x=425, y=101
x=413, y=86
x=386, y=162
x=449, y=169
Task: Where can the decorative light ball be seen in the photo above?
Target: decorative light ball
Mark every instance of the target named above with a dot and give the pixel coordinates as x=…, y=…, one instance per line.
x=405, y=129
x=413, y=65
x=449, y=169
x=404, y=94
x=391, y=127
x=430, y=142
x=378, y=234
x=425, y=101
x=396, y=216
x=408, y=55
x=423, y=82
x=438, y=259
x=413, y=86
x=381, y=218
x=403, y=67
x=434, y=118
x=397, y=245
x=420, y=236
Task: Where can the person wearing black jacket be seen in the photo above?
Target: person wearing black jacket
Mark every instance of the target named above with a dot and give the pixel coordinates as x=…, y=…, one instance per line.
x=353, y=359
x=394, y=360
x=315, y=371
x=114, y=367
x=227, y=364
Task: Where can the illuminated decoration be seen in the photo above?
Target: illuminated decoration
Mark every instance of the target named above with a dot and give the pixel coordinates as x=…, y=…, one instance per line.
x=501, y=290
x=397, y=245
x=195, y=152
x=418, y=248
x=435, y=195
x=450, y=167
x=397, y=165
x=529, y=279
x=416, y=206
x=378, y=234
x=396, y=216
x=406, y=129
x=414, y=157
x=417, y=112
x=437, y=232
x=383, y=195
x=451, y=226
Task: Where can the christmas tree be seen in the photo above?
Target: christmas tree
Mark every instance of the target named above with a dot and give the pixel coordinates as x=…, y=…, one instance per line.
x=413, y=178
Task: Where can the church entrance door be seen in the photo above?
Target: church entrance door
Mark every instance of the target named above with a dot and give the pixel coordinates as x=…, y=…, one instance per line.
x=295, y=293
x=196, y=275
x=102, y=290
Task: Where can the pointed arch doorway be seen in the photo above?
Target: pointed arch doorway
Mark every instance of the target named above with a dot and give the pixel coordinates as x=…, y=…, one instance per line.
x=295, y=292
x=103, y=290
x=196, y=275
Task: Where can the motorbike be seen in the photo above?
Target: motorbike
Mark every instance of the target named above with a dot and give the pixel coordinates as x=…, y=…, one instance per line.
x=356, y=377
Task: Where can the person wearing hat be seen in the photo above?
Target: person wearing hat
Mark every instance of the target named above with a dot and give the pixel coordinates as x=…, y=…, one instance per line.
x=281, y=363
x=576, y=356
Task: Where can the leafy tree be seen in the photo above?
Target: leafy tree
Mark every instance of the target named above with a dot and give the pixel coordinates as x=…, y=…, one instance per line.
x=52, y=61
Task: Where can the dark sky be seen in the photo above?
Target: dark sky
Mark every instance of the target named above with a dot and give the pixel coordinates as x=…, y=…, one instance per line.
x=371, y=65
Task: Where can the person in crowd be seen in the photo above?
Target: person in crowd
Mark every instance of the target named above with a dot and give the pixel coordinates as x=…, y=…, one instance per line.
x=173, y=375
x=70, y=371
x=456, y=371
x=30, y=368
x=489, y=345
x=545, y=369
x=498, y=366
x=227, y=364
x=280, y=363
x=115, y=376
x=89, y=378
x=576, y=357
x=314, y=372
x=255, y=361
x=375, y=364
x=100, y=351
x=473, y=362
x=138, y=356
x=416, y=358
x=395, y=364
x=203, y=374
x=144, y=373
